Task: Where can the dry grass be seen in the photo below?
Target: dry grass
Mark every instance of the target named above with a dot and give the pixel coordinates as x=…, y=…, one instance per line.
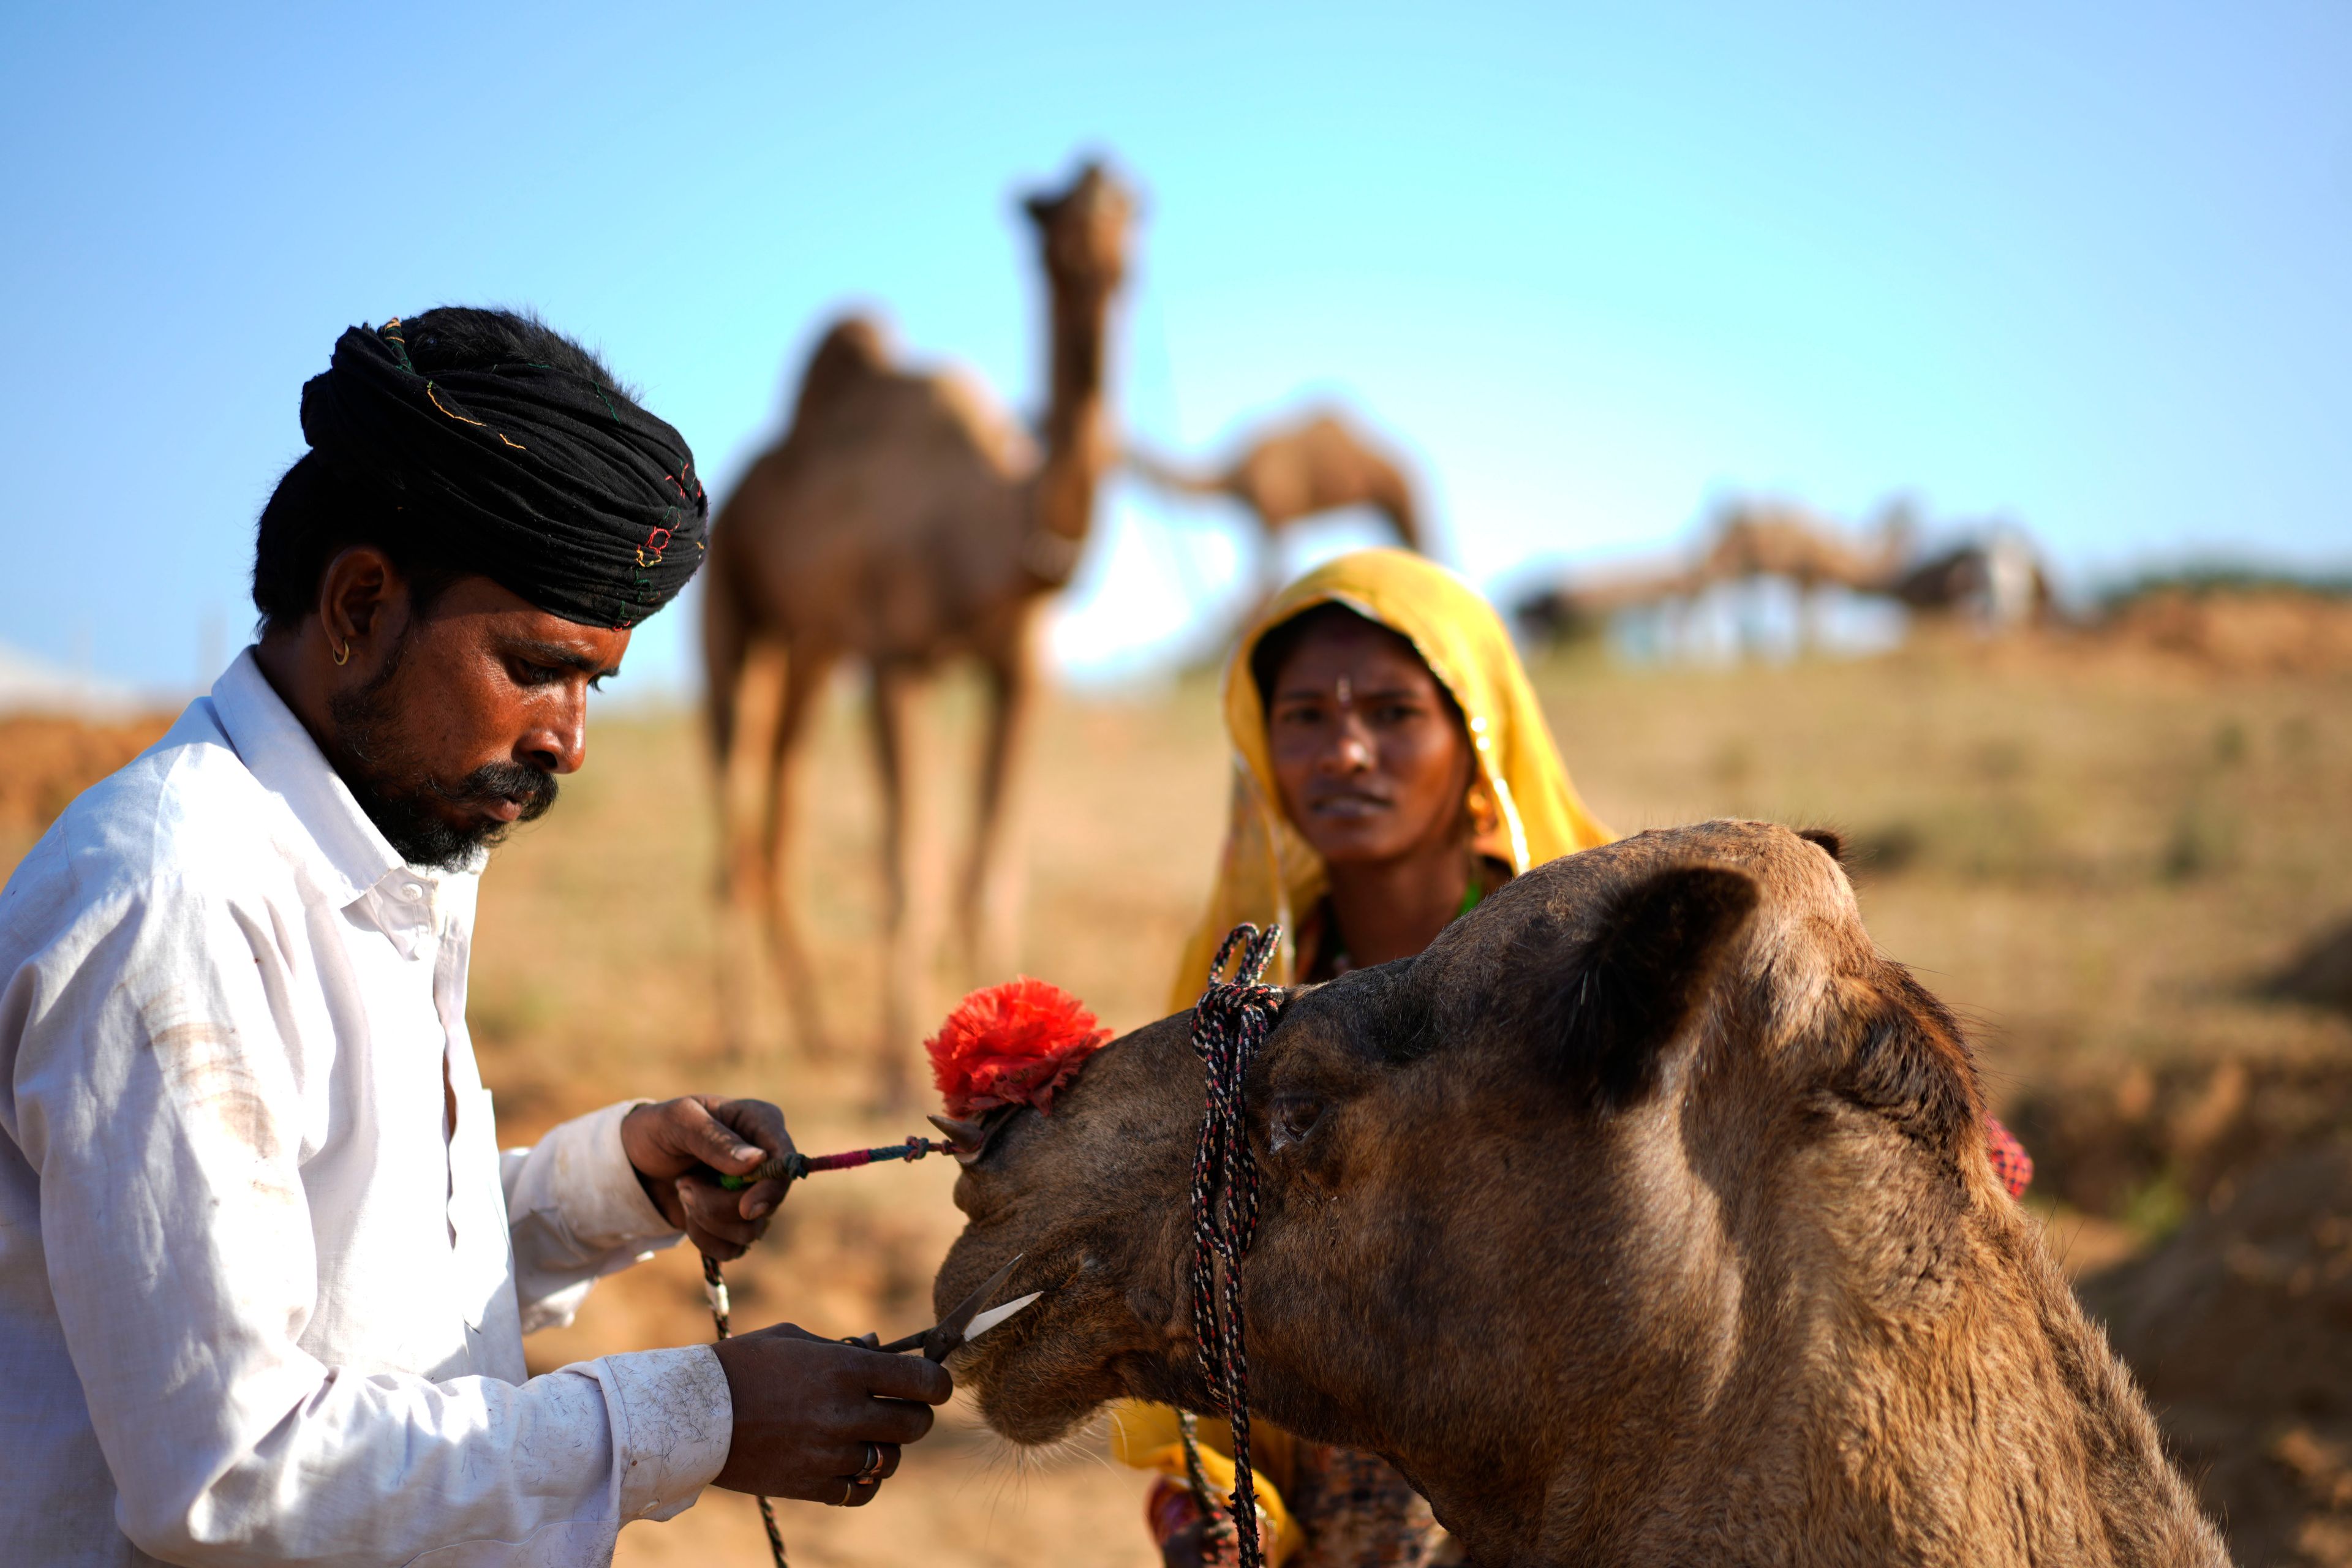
x=2091, y=858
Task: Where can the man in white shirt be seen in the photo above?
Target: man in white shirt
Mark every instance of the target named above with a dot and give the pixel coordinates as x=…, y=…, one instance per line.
x=263, y=1271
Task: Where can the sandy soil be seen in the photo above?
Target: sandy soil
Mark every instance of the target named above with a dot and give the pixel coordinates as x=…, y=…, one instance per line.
x=2098, y=861
x=2237, y=1328
x=46, y=761
x=2273, y=630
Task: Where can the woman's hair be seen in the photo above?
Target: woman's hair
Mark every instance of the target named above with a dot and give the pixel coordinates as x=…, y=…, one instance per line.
x=1283, y=640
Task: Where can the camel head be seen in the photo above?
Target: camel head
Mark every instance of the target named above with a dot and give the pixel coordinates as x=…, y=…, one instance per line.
x=1083, y=233
x=1620, y=1209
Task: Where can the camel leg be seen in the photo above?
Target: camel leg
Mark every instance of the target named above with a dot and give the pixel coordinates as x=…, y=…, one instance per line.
x=726, y=647
x=989, y=903
x=805, y=670
x=739, y=881
x=906, y=943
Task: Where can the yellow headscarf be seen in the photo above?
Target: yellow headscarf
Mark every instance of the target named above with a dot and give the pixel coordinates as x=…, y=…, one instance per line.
x=1269, y=871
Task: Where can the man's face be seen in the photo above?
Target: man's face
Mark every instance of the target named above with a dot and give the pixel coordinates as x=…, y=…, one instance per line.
x=478, y=705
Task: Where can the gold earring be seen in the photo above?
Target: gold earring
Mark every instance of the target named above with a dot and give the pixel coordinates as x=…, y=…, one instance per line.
x=343, y=655
x=1484, y=814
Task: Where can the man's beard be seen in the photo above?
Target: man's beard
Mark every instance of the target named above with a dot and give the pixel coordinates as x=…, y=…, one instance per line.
x=400, y=795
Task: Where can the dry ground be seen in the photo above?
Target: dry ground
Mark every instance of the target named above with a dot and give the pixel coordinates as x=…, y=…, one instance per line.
x=46, y=761
x=2092, y=857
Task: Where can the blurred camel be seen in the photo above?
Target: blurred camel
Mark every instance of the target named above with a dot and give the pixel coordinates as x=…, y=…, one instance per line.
x=1297, y=470
x=902, y=519
x=1997, y=581
x=1997, y=578
x=1750, y=539
x=1774, y=539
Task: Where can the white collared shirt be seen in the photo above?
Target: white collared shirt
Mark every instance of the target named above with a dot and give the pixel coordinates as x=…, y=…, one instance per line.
x=258, y=1302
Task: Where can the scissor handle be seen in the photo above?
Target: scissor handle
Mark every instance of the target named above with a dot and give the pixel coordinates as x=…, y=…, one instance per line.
x=895, y=1347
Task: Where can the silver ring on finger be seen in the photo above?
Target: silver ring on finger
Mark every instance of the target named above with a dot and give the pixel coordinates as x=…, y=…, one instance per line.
x=872, y=1474
x=848, y=1490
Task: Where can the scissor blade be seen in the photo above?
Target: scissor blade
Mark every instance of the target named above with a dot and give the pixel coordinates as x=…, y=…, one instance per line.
x=996, y=1315
x=949, y=1331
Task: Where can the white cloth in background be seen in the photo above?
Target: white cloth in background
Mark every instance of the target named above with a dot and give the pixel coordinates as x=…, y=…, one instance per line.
x=257, y=1302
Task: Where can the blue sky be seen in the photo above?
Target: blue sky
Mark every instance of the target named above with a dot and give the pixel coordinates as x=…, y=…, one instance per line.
x=1592, y=267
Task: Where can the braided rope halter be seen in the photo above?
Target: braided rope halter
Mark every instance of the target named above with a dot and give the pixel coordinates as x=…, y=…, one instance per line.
x=1230, y=1024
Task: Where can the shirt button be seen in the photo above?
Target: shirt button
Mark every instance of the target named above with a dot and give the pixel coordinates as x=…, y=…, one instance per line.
x=412, y=891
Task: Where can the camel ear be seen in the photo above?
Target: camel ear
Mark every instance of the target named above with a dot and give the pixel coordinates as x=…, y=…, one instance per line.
x=1831, y=842
x=1630, y=990
x=1039, y=208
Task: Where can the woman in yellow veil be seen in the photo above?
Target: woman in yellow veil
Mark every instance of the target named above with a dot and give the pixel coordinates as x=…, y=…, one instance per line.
x=1391, y=768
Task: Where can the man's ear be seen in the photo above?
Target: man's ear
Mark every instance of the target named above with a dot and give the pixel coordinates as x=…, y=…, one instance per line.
x=355, y=589
x=1626, y=992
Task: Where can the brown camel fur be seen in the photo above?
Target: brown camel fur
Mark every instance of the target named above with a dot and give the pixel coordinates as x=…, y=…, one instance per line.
x=1298, y=469
x=1644, y=1218
x=903, y=520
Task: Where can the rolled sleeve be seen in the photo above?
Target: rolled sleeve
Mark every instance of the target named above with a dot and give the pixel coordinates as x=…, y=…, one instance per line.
x=673, y=1423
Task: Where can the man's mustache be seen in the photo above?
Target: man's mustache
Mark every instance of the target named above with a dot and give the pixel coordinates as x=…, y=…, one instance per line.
x=534, y=787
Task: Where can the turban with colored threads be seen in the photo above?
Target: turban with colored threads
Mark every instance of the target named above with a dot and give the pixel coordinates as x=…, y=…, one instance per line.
x=551, y=485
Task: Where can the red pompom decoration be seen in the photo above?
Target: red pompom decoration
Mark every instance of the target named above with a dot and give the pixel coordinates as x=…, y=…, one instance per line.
x=1013, y=1043
x=2010, y=1163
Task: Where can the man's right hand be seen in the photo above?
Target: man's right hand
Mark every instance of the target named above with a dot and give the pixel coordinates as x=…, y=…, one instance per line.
x=806, y=1410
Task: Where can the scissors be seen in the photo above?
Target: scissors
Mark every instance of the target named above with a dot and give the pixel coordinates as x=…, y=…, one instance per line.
x=963, y=1325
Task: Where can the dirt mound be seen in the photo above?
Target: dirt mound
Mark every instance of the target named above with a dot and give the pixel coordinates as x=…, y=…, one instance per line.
x=2236, y=1327
x=2321, y=975
x=2235, y=1322
x=2151, y=1145
x=44, y=761
x=2239, y=631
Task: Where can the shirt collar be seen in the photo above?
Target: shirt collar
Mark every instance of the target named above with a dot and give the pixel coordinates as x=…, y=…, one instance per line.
x=352, y=852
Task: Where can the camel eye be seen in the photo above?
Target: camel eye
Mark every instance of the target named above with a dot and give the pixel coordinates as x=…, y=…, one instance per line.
x=1291, y=1119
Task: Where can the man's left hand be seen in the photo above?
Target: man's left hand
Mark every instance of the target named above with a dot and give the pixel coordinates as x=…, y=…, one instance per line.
x=676, y=1144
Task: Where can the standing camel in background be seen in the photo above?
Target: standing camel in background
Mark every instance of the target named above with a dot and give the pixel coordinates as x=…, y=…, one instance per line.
x=1748, y=538
x=904, y=518
x=1297, y=470
x=1996, y=580
x=1774, y=539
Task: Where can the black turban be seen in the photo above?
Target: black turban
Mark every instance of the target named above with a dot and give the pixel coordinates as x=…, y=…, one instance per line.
x=544, y=481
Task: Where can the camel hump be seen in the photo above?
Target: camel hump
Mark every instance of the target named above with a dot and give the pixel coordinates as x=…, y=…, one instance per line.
x=966, y=407
x=855, y=349
x=1329, y=427
x=1318, y=463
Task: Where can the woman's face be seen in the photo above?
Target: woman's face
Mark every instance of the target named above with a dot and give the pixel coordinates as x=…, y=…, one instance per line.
x=1371, y=761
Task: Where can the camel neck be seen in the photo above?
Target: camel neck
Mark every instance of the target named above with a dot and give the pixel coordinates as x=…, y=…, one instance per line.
x=1982, y=1389
x=1077, y=353
x=1074, y=446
